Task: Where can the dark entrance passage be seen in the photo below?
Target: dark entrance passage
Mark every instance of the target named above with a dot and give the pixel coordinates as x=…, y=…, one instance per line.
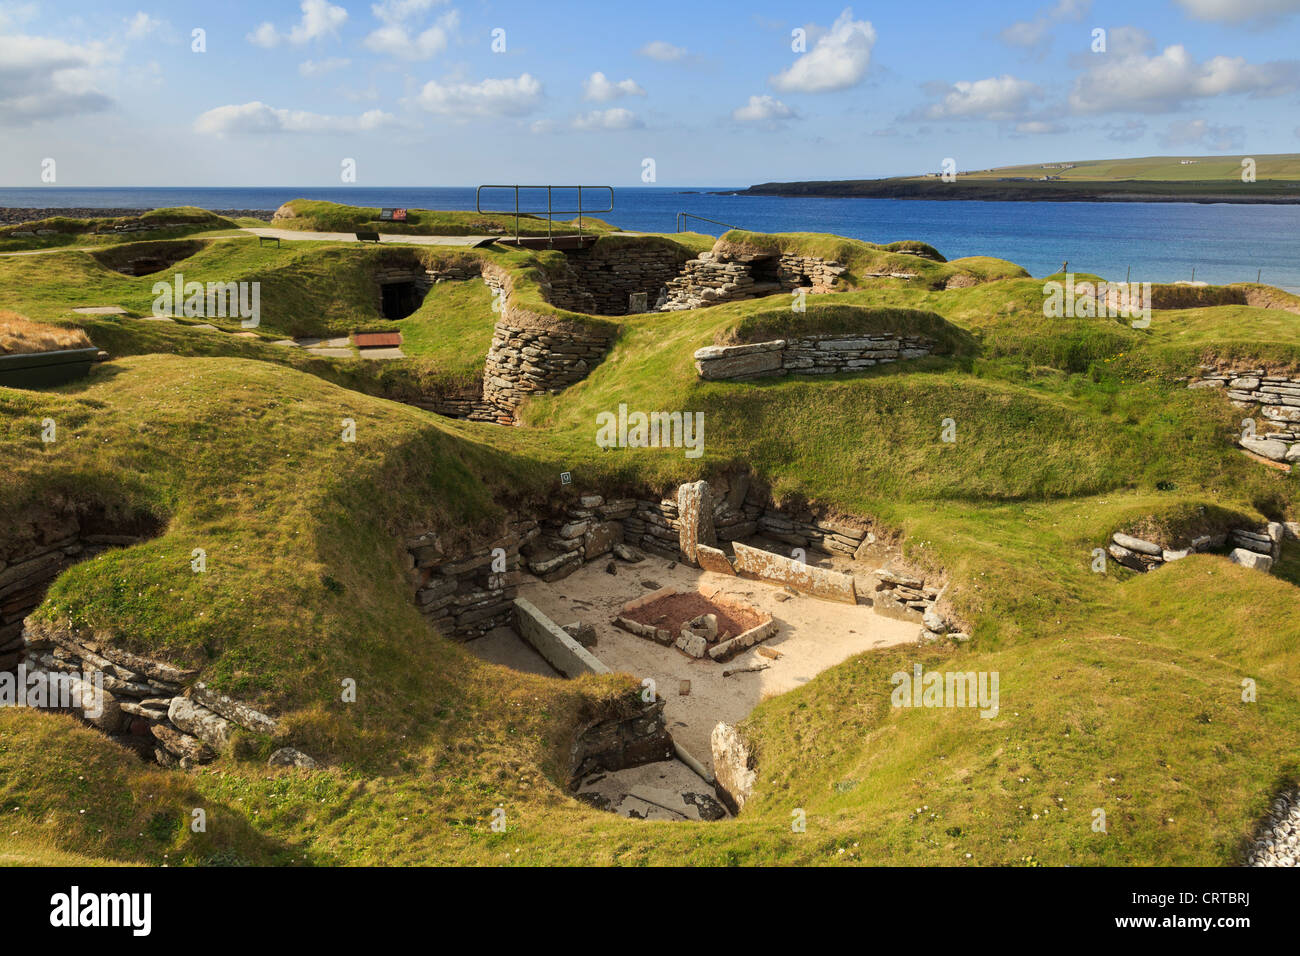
x=400, y=299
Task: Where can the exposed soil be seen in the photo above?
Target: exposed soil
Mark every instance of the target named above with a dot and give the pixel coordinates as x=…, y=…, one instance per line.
x=674, y=611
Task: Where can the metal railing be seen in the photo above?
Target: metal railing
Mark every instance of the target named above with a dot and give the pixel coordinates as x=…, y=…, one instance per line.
x=550, y=209
x=683, y=216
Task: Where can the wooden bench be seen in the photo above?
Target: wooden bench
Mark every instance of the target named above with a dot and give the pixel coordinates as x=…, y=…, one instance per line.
x=365, y=236
x=262, y=239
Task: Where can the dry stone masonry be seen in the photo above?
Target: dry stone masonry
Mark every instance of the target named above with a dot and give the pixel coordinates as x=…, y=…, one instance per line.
x=614, y=278
x=808, y=355
x=727, y=276
x=470, y=589
x=525, y=361
x=149, y=706
x=1249, y=548
x=1276, y=398
x=1277, y=842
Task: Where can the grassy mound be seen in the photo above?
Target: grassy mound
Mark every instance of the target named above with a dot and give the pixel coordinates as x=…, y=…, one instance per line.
x=1118, y=691
x=320, y=216
x=57, y=231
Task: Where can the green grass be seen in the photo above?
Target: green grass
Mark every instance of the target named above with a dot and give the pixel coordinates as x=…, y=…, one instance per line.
x=320, y=216
x=1118, y=691
x=1159, y=168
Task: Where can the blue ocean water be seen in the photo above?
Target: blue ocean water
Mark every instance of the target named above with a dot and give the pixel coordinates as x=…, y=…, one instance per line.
x=1160, y=242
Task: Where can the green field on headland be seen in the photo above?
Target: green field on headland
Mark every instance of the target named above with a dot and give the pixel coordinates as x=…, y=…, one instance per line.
x=1146, y=179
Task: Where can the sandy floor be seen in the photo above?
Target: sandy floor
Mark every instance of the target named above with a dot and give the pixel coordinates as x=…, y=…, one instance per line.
x=813, y=636
x=665, y=790
x=503, y=646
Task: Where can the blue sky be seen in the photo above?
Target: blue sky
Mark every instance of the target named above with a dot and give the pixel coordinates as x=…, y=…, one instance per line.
x=714, y=93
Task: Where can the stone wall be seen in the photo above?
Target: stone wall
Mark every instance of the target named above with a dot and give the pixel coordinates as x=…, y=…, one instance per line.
x=600, y=280
x=619, y=742
x=150, y=706
x=458, y=590
x=147, y=705
x=726, y=276
x=808, y=355
x=1276, y=398
x=526, y=360
x=1251, y=548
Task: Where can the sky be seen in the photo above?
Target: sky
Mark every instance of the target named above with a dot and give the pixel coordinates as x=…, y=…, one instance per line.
x=448, y=93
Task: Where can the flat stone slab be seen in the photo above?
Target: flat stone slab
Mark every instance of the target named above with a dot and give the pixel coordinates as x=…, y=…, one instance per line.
x=713, y=559
x=100, y=310
x=331, y=353
x=393, y=353
x=335, y=343
x=157, y=318
x=819, y=582
x=206, y=327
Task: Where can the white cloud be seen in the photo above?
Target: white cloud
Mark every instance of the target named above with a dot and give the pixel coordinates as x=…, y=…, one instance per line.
x=320, y=18
x=1039, y=127
x=542, y=126
x=402, y=38
x=996, y=98
x=838, y=60
x=762, y=109
x=1217, y=139
x=616, y=118
x=1239, y=11
x=257, y=117
x=490, y=97
x=141, y=25
x=598, y=89
x=265, y=35
x=320, y=67
x=1033, y=33
x=1161, y=83
x=47, y=78
x=663, y=51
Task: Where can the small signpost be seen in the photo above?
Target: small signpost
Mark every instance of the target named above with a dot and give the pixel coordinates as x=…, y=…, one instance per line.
x=392, y=215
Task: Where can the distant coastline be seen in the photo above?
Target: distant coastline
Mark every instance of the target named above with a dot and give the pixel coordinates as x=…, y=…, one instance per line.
x=1263, y=192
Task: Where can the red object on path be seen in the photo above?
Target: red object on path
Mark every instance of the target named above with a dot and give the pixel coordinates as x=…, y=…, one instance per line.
x=365, y=340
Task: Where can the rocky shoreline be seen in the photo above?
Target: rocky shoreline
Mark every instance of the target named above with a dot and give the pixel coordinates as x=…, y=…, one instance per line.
x=13, y=215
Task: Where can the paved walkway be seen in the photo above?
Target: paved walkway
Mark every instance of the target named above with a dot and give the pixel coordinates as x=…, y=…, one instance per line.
x=292, y=235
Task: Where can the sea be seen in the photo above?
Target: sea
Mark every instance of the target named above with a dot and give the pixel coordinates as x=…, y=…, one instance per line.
x=1158, y=242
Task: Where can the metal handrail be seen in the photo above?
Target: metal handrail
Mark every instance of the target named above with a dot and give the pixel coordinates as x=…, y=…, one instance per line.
x=550, y=210
x=683, y=216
